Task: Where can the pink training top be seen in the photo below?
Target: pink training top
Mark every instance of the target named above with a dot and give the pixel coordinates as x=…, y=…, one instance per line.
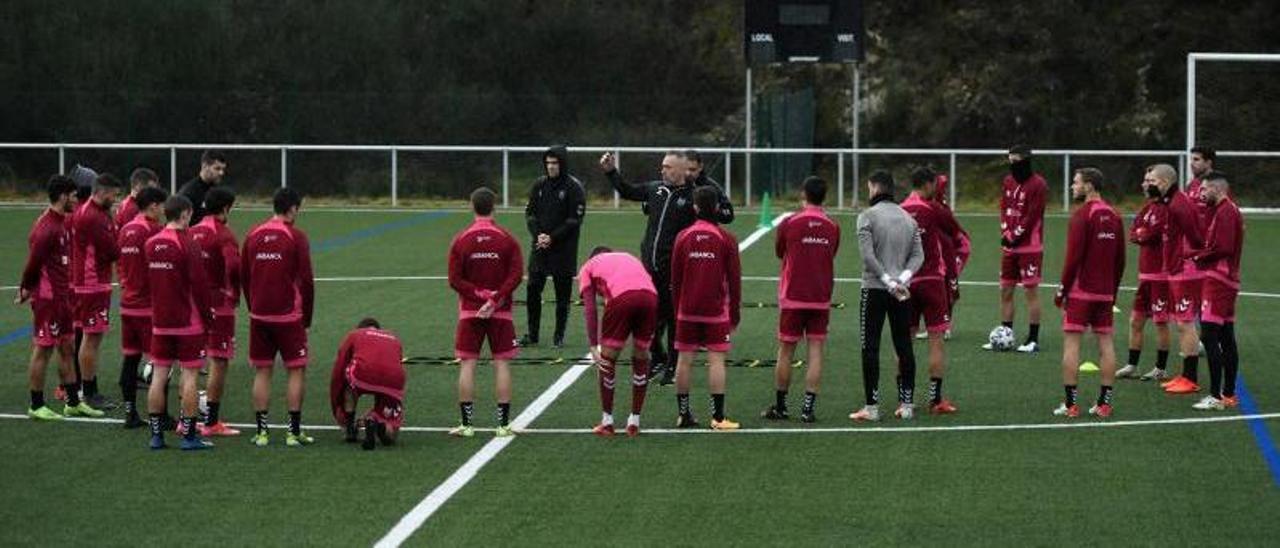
x=609, y=274
x=807, y=243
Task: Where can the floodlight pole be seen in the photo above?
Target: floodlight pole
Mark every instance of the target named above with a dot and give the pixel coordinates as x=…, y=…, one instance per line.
x=857, y=99
x=747, y=173
x=1191, y=115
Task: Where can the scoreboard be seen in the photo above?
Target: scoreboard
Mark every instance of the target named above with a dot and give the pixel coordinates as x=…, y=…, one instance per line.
x=803, y=31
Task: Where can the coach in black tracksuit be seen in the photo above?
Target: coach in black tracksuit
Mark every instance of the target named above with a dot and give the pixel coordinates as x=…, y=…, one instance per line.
x=669, y=205
x=557, y=204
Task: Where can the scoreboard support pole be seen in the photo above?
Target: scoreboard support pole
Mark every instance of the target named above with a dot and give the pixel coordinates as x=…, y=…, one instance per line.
x=746, y=179
x=857, y=100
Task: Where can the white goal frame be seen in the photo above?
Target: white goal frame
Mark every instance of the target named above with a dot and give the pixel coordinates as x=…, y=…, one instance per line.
x=1192, y=59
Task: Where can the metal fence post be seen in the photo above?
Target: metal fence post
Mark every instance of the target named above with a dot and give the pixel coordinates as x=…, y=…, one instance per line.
x=173, y=170
x=506, y=177
x=284, y=167
x=1066, y=182
x=728, y=176
x=395, y=169
x=951, y=176
x=617, y=164
x=62, y=159
x=839, y=180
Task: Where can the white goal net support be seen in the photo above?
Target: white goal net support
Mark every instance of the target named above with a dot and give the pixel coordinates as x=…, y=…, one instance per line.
x=1233, y=106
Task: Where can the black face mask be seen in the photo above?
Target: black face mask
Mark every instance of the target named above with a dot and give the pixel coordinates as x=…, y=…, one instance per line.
x=1153, y=191
x=1021, y=170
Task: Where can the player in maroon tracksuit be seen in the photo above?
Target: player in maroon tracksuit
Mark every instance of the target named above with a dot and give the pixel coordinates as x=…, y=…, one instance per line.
x=1201, y=163
x=180, y=314
x=221, y=255
x=135, y=297
x=1091, y=277
x=1022, y=204
x=485, y=267
x=369, y=362
x=807, y=243
x=46, y=282
x=128, y=209
x=94, y=250
x=279, y=287
x=1152, y=300
x=1182, y=235
x=1219, y=259
x=706, y=292
x=930, y=291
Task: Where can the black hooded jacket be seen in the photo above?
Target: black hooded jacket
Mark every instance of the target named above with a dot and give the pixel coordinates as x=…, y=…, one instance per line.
x=556, y=207
x=670, y=210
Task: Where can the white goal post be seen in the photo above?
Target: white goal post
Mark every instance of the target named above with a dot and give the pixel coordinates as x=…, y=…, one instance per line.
x=1195, y=57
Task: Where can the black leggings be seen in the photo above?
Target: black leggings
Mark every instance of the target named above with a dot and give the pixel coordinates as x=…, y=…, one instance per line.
x=533, y=298
x=664, y=330
x=1224, y=360
x=877, y=304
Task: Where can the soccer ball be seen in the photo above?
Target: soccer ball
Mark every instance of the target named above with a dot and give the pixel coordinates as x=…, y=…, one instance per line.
x=1001, y=339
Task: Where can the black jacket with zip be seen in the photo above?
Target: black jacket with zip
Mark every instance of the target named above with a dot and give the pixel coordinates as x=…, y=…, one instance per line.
x=670, y=210
x=556, y=207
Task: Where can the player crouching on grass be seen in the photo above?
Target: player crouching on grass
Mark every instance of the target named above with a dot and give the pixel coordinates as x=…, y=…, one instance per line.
x=630, y=310
x=1220, y=262
x=485, y=268
x=706, y=292
x=369, y=361
x=807, y=243
x=1091, y=276
x=180, y=316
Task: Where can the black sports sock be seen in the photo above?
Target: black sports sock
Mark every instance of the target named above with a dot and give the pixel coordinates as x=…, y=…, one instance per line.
x=261, y=418
x=1070, y=389
x=349, y=425
x=1007, y=324
x=129, y=378
x=810, y=401
x=130, y=409
x=717, y=406
x=1231, y=360
x=1104, y=397
x=780, y=400
x=906, y=392
x=1033, y=333
x=154, y=420
x=504, y=413
x=37, y=399
x=189, y=427
x=682, y=404
x=73, y=393
x=1189, y=365
x=466, y=409
x=1162, y=359
x=214, y=408
x=1135, y=356
x=90, y=387
x=295, y=423
x=935, y=390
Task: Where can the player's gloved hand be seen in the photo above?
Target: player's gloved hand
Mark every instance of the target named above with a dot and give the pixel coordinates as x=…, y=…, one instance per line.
x=1005, y=242
x=1059, y=298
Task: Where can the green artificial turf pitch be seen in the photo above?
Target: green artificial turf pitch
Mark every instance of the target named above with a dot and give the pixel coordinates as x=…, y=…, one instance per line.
x=918, y=482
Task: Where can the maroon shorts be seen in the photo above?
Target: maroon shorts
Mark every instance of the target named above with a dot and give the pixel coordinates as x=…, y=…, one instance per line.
x=631, y=314
x=807, y=323
x=135, y=334
x=930, y=300
x=51, y=321
x=471, y=334
x=690, y=336
x=222, y=337
x=1186, y=299
x=93, y=312
x=1219, y=303
x=1081, y=314
x=1021, y=269
x=186, y=350
x=1152, y=301
x=266, y=339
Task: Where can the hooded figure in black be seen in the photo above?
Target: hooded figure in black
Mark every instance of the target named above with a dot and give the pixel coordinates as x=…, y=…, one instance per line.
x=669, y=204
x=557, y=203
